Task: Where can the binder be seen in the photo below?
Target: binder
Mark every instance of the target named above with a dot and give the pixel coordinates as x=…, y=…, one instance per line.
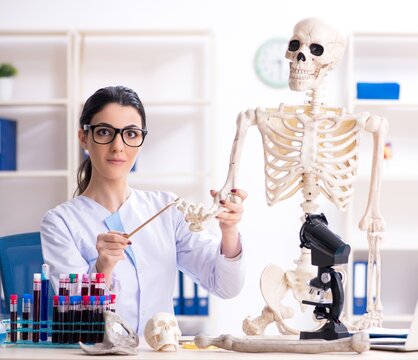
x=176, y=295
x=8, y=144
x=188, y=296
x=202, y=301
x=359, y=287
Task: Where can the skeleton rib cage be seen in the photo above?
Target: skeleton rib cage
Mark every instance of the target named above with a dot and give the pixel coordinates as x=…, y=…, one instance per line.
x=321, y=148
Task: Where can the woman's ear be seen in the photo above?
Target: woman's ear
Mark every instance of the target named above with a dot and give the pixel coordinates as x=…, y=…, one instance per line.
x=82, y=138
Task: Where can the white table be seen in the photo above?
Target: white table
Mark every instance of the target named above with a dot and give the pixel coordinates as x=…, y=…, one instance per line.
x=146, y=353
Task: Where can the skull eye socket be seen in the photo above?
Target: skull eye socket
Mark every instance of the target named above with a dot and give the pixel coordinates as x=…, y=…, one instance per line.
x=316, y=49
x=172, y=323
x=294, y=45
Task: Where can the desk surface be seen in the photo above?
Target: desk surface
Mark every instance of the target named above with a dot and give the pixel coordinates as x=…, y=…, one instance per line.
x=146, y=353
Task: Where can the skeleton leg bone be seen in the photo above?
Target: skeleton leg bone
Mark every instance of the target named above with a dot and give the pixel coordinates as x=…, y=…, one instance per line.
x=359, y=343
x=373, y=317
x=258, y=325
x=274, y=287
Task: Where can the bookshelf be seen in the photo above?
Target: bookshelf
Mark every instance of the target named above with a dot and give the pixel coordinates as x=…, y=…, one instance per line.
x=41, y=105
x=172, y=72
x=388, y=57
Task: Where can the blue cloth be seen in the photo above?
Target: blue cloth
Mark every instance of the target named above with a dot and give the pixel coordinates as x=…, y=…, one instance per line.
x=114, y=223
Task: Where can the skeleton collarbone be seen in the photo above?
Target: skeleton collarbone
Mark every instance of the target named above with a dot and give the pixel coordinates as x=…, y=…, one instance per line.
x=313, y=152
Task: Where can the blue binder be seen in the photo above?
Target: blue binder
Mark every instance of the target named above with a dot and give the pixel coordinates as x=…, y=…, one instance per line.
x=176, y=295
x=359, y=287
x=8, y=144
x=188, y=296
x=202, y=301
x=380, y=91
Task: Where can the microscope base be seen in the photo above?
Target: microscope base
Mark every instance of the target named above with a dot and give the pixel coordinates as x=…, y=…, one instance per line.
x=330, y=331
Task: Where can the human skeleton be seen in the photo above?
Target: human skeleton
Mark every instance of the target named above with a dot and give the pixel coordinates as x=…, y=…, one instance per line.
x=315, y=149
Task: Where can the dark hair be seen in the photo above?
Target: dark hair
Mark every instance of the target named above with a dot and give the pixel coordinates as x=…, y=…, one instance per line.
x=95, y=103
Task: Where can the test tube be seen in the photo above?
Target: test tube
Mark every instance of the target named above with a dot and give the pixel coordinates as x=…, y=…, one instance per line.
x=72, y=308
x=100, y=284
x=77, y=320
x=112, y=305
x=92, y=284
x=55, y=326
x=73, y=288
x=62, y=311
x=44, y=300
x=67, y=285
x=85, y=283
x=107, y=303
x=13, y=318
x=67, y=326
x=36, y=316
x=61, y=289
x=85, y=319
x=100, y=318
x=26, y=310
x=74, y=320
x=94, y=313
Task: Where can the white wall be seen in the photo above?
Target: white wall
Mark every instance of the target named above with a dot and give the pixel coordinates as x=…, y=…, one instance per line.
x=271, y=234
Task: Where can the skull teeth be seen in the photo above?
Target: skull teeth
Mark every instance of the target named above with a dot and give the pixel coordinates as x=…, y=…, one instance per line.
x=302, y=74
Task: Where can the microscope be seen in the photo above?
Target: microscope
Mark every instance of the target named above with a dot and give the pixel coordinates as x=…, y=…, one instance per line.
x=327, y=250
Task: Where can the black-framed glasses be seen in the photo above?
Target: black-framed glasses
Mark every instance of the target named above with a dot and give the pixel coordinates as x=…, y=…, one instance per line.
x=105, y=134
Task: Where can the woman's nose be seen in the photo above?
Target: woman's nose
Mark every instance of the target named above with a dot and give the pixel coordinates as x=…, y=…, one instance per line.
x=117, y=143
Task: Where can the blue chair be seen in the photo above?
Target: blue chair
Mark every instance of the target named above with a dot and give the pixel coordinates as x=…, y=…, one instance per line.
x=20, y=258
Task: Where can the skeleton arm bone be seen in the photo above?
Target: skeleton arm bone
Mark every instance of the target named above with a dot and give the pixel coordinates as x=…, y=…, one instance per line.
x=372, y=220
x=195, y=214
x=244, y=121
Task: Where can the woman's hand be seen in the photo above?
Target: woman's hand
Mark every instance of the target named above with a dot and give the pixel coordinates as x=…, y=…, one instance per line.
x=110, y=247
x=228, y=220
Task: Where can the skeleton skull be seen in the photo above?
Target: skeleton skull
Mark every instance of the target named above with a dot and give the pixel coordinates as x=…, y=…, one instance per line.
x=314, y=49
x=162, y=332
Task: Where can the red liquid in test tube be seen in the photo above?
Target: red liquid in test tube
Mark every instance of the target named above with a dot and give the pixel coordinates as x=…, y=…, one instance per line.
x=36, y=306
x=85, y=283
x=13, y=318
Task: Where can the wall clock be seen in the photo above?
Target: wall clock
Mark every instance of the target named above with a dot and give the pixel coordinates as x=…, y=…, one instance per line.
x=270, y=63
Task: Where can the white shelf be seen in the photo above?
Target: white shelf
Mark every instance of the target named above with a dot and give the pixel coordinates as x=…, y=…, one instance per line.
x=369, y=61
x=391, y=318
x=197, y=102
x=376, y=104
x=33, y=174
x=392, y=176
x=23, y=103
x=388, y=246
x=139, y=176
x=156, y=103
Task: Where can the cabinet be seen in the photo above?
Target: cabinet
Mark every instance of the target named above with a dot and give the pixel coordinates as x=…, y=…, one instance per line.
x=388, y=57
x=170, y=70
x=41, y=105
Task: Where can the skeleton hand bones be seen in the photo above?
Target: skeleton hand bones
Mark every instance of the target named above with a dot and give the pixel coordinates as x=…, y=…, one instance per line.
x=227, y=209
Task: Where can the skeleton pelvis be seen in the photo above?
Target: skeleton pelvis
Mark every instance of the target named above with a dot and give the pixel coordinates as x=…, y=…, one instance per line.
x=275, y=284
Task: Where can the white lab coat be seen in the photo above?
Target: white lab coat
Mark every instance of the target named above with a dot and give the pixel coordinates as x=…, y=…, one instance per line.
x=145, y=280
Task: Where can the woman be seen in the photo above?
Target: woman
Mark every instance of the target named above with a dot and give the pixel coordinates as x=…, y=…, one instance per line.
x=86, y=233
